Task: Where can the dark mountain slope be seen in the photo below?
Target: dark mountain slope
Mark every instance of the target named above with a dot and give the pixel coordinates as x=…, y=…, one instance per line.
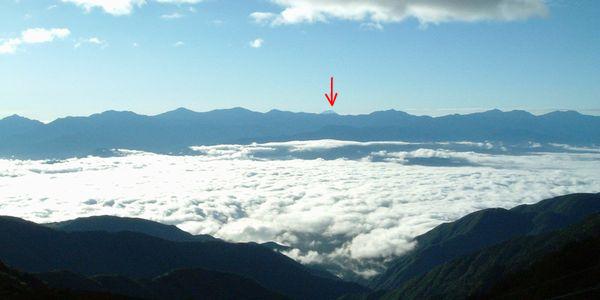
x=573, y=271
x=485, y=228
x=19, y=285
x=36, y=248
x=175, y=131
x=179, y=284
x=118, y=224
x=166, y=232
x=544, y=262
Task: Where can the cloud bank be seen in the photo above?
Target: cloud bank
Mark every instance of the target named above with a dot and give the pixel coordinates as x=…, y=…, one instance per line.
x=350, y=215
x=384, y=11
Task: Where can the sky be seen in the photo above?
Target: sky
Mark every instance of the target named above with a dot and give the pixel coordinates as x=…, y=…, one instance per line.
x=79, y=57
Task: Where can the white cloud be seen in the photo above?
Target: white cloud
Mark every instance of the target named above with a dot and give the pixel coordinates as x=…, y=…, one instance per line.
x=426, y=11
x=122, y=7
x=262, y=17
x=9, y=46
x=348, y=214
x=92, y=41
x=41, y=35
x=113, y=7
x=95, y=40
x=179, y=1
x=33, y=36
x=371, y=26
x=178, y=44
x=257, y=43
x=171, y=16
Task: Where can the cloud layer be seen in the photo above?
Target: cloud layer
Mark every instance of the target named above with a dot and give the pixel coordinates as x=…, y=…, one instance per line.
x=349, y=215
x=380, y=11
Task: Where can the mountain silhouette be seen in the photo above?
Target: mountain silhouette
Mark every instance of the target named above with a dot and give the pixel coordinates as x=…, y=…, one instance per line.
x=118, y=224
x=15, y=284
x=177, y=284
x=485, y=228
x=175, y=131
x=562, y=263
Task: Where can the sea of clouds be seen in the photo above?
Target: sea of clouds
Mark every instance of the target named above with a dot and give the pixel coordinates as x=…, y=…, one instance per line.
x=346, y=206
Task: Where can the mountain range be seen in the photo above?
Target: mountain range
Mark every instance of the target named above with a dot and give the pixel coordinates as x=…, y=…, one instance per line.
x=545, y=250
x=175, y=131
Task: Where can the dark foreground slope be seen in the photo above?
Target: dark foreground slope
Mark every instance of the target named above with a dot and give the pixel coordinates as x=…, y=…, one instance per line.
x=559, y=264
x=482, y=229
x=151, y=228
x=36, y=248
x=175, y=131
x=178, y=284
x=572, y=272
x=19, y=285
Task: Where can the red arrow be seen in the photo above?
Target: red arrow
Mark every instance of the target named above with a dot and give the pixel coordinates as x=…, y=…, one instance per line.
x=332, y=97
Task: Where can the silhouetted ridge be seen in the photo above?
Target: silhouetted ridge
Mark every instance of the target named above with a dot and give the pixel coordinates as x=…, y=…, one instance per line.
x=560, y=263
x=485, y=228
x=37, y=248
x=118, y=224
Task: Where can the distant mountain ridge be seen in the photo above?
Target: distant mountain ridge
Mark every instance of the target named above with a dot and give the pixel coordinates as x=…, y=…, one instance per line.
x=175, y=131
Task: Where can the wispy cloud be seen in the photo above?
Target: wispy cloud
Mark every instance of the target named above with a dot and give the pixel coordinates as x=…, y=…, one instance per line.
x=371, y=26
x=92, y=41
x=171, y=16
x=178, y=44
x=32, y=36
x=179, y=1
x=263, y=17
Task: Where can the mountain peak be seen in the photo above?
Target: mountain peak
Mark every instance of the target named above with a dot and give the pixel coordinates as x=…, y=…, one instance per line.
x=494, y=111
x=571, y=113
x=112, y=113
x=183, y=110
x=329, y=112
x=15, y=117
x=180, y=112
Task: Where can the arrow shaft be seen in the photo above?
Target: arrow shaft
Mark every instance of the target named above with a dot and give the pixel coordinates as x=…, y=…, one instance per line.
x=331, y=87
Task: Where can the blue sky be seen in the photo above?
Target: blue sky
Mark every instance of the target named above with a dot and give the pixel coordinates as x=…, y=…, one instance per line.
x=89, y=56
